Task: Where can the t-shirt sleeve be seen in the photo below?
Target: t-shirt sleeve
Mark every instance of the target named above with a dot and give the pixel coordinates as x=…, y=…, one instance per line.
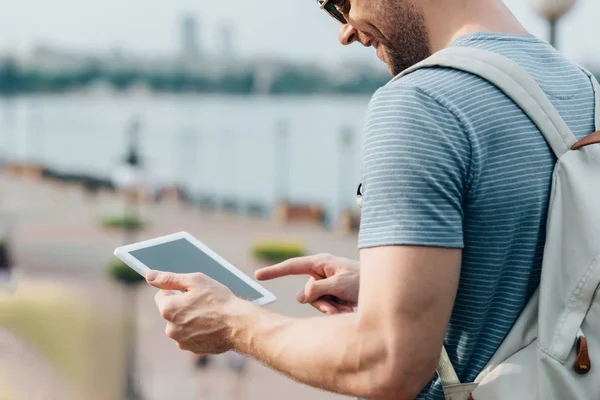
x=416, y=159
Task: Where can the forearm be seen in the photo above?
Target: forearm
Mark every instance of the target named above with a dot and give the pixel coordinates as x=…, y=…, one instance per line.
x=330, y=353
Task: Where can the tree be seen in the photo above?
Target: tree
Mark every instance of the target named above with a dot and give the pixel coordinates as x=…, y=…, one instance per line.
x=10, y=78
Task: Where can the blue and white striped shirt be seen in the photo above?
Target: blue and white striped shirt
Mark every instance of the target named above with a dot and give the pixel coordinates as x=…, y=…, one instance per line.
x=450, y=161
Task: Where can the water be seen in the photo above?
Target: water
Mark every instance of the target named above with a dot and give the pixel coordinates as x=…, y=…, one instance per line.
x=214, y=145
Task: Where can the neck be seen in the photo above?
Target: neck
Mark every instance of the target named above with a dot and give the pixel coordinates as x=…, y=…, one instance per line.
x=449, y=19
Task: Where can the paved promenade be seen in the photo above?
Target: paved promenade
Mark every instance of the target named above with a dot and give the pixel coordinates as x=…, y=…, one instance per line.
x=57, y=239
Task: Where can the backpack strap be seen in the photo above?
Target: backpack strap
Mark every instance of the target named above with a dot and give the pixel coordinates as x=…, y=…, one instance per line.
x=446, y=371
x=524, y=91
x=514, y=81
x=596, y=87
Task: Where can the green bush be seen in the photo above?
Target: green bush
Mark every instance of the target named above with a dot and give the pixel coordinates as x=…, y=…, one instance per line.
x=275, y=252
x=124, y=222
x=124, y=274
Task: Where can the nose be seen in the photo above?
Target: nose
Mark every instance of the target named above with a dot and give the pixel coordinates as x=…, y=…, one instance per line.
x=347, y=35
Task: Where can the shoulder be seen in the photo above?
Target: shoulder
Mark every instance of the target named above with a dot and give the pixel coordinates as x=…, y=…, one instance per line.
x=420, y=111
x=453, y=90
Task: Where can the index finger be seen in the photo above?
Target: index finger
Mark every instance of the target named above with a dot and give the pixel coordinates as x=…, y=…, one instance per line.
x=293, y=266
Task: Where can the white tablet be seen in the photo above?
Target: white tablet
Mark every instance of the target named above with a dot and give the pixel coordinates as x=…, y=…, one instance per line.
x=182, y=253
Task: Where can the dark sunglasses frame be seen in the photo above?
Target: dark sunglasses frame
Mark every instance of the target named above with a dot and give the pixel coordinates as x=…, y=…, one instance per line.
x=332, y=10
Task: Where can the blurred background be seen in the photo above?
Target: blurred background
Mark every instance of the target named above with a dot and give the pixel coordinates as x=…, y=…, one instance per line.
x=239, y=122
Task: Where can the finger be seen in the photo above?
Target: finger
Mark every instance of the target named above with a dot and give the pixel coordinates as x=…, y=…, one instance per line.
x=337, y=301
x=171, y=330
x=325, y=307
x=293, y=266
x=171, y=281
x=315, y=289
x=164, y=304
x=331, y=308
x=344, y=308
x=340, y=305
x=161, y=298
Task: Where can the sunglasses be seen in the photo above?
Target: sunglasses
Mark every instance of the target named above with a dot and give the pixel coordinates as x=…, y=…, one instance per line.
x=331, y=9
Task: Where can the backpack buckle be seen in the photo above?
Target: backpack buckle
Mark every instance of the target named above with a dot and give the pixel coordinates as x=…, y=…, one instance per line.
x=359, y=196
x=582, y=363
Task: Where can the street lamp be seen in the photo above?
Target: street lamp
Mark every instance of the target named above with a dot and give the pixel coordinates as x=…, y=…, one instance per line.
x=187, y=157
x=128, y=177
x=345, y=167
x=282, y=162
x=552, y=11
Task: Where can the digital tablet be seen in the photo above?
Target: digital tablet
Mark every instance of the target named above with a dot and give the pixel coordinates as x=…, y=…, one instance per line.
x=182, y=253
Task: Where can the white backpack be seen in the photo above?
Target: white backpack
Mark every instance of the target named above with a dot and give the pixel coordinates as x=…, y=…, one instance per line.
x=553, y=350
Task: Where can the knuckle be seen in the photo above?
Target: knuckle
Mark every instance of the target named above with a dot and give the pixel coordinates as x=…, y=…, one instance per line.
x=182, y=346
x=171, y=331
x=167, y=278
x=197, y=278
x=167, y=313
x=324, y=259
x=309, y=287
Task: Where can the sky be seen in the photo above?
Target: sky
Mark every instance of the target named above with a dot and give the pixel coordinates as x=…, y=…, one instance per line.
x=294, y=29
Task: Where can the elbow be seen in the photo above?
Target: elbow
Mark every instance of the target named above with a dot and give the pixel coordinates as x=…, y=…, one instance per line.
x=396, y=382
x=398, y=372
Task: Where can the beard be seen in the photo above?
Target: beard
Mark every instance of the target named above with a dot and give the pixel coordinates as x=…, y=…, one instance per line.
x=408, y=40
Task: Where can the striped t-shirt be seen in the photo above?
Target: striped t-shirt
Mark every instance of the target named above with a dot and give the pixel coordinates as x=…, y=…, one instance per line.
x=450, y=161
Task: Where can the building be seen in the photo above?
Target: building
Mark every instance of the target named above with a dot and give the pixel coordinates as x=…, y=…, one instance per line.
x=190, y=47
x=227, y=46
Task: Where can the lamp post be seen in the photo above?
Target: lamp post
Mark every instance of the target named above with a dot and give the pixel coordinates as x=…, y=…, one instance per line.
x=187, y=157
x=345, y=167
x=552, y=11
x=128, y=177
x=282, y=162
x=34, y=150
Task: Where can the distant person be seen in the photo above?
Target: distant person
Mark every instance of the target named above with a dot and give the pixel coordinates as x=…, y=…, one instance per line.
x=6, y=261
x=238, y=365
x=203, y=365
x=456, y=183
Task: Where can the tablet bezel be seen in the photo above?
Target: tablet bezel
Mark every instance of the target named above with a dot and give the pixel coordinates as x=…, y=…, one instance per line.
x=123, y=253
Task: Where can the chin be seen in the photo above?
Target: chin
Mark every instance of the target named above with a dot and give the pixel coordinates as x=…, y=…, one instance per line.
x=390, y=66
x=391, y=69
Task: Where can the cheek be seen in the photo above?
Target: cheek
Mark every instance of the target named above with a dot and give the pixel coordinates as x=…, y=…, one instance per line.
x=363, y=20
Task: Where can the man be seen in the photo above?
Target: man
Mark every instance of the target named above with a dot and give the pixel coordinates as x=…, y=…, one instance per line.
x=456, y=184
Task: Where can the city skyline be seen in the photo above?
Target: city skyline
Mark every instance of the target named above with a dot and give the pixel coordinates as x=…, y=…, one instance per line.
x=300, y=31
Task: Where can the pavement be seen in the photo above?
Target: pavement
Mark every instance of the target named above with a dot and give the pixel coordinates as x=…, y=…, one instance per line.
x=49, y=385
x=57, y=239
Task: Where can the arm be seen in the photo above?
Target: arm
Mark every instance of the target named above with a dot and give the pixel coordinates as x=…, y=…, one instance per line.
x=416, y=168
x=415, y=171
x=387, y=350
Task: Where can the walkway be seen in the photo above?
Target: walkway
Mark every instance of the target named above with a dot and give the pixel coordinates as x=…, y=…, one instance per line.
x=57, y=239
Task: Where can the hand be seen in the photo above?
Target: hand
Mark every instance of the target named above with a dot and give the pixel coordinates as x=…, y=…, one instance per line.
x=333, y=284
x=196, y=319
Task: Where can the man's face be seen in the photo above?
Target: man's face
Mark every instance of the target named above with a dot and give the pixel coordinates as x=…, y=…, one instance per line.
x=396, y=28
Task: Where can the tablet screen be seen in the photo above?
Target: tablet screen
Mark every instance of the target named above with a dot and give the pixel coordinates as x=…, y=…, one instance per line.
x=182, y=257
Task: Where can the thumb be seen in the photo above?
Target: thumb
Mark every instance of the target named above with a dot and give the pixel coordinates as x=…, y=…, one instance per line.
x=169, y=280
x=315, y=289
